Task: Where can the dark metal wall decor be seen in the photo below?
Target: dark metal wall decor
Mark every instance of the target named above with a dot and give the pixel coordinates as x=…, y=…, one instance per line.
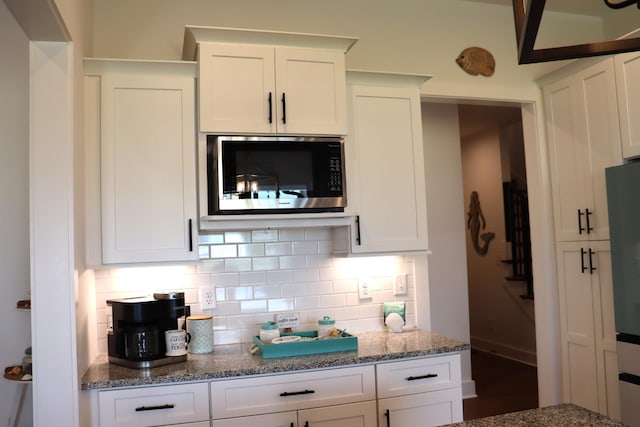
x=475, y=222
x=527, y=21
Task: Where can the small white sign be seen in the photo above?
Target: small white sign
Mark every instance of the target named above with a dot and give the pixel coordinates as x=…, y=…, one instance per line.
x=288, y=320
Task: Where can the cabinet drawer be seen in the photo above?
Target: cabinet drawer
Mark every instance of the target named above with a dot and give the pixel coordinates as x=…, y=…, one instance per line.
x=154, y=406
x=418, y=375
x=286, y=392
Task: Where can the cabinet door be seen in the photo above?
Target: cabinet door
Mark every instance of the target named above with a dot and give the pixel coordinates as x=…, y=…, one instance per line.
x=628, y=85
x=237, y=88
x=583, y=132
x=386, y=170
x=587, y=326
x=311, y=91
x=279, y=419
x=148, y=185
x=425, y=409
x=352, y=415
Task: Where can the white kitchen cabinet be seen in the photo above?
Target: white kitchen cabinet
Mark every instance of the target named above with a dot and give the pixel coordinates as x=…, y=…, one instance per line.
x=257, y=89
x=427, y=389
x=185, y=405
x=144, y=145
x=584, y=138
x=627, y=68
x=588, y=338
x=385, y=164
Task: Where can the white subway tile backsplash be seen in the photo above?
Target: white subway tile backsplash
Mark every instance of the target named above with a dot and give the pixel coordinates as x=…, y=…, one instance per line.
x=251, y=250
x=237, y=237
x=304, y=248
x=253, y=306
x=278, y=249
x=264, y=235
x=291, y=235
x=265, y=263
x=259, y=273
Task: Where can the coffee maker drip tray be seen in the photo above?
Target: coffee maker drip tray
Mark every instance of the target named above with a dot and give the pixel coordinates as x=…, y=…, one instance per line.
x=147, y=364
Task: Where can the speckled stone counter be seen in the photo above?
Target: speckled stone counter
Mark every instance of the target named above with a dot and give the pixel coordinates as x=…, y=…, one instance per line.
x=235, y=360
x=552, y=416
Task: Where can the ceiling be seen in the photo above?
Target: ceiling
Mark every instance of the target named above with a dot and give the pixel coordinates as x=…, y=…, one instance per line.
x=581, y=7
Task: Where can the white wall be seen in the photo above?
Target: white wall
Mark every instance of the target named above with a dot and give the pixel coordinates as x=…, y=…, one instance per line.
x=14, y=208
x=447, y=263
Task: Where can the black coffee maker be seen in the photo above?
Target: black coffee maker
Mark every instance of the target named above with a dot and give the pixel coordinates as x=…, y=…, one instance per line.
x=136, y=338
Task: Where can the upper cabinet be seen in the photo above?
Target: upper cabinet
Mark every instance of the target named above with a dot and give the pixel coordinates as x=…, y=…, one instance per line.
x=628, y=84
x=385, y=164
x=142, y=140
x=584, y=138
x=260, y=82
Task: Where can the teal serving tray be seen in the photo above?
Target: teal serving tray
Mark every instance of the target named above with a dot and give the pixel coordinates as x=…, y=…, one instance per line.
x=346, y=342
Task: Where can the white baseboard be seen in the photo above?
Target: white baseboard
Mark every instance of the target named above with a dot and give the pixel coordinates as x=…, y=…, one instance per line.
x=469, y=389
x=517, y=354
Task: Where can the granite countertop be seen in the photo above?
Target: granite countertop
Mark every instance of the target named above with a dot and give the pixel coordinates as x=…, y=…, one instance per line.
x=552, y=416
x=235, y=360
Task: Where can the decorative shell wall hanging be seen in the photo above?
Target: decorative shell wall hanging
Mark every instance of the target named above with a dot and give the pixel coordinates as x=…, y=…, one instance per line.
x=476, y=60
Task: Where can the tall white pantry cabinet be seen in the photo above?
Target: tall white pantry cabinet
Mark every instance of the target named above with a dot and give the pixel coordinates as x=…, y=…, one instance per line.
x=584, y=138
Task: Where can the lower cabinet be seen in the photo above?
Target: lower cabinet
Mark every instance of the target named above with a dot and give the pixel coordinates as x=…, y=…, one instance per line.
x=409, y=392
x=428, y=390
x=185, y=405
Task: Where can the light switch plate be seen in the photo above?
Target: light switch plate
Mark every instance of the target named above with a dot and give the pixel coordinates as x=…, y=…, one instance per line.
x=400, y=284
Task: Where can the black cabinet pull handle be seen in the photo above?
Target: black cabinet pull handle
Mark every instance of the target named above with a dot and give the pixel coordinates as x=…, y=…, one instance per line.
x=580, y=227
x=387, y=415
x=587, y=215
x=190, y=235
x=582, y=254
x=292, y=425
x=306, y=424
x=284, y=108
x=270, y=109
x=591, y=267
x=155, y=408
x=296, y=393
x=421, y=377
x=358, y=238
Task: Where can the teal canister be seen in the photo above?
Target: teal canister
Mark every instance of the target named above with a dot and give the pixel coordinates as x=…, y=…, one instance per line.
x=200, y=328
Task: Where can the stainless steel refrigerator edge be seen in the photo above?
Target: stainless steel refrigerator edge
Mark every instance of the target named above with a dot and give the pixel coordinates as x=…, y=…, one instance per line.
x=623, y=198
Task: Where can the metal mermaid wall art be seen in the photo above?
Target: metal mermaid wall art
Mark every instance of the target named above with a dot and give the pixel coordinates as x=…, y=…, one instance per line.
x=476, y=221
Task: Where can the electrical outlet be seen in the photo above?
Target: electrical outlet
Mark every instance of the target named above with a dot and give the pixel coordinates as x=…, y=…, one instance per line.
x=400, y=284
x=364, y=290
x=208, y=298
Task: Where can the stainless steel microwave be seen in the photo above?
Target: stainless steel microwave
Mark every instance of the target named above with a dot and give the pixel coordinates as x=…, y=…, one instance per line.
x=275, y=174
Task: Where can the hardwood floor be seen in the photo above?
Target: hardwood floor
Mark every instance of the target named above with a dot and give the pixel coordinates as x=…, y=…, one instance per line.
x=502, y=386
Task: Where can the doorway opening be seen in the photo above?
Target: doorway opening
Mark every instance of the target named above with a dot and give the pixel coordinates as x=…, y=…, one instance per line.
x=499, y=263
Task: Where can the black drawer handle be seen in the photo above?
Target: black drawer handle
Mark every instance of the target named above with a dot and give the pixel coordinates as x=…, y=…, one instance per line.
x=155, y=408
x=296, y=393
x=422, y=377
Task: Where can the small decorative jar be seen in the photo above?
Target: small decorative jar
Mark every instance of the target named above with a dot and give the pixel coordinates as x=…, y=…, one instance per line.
x=325, y=326
x=26, y=362
x=269, y=331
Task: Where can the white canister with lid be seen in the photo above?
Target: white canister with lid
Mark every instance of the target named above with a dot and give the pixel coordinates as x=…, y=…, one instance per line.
x=269, y=331
x=325, y=326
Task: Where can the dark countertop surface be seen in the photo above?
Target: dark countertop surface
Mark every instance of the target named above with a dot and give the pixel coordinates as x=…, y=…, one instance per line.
x=551, y=416
x=234, y=360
